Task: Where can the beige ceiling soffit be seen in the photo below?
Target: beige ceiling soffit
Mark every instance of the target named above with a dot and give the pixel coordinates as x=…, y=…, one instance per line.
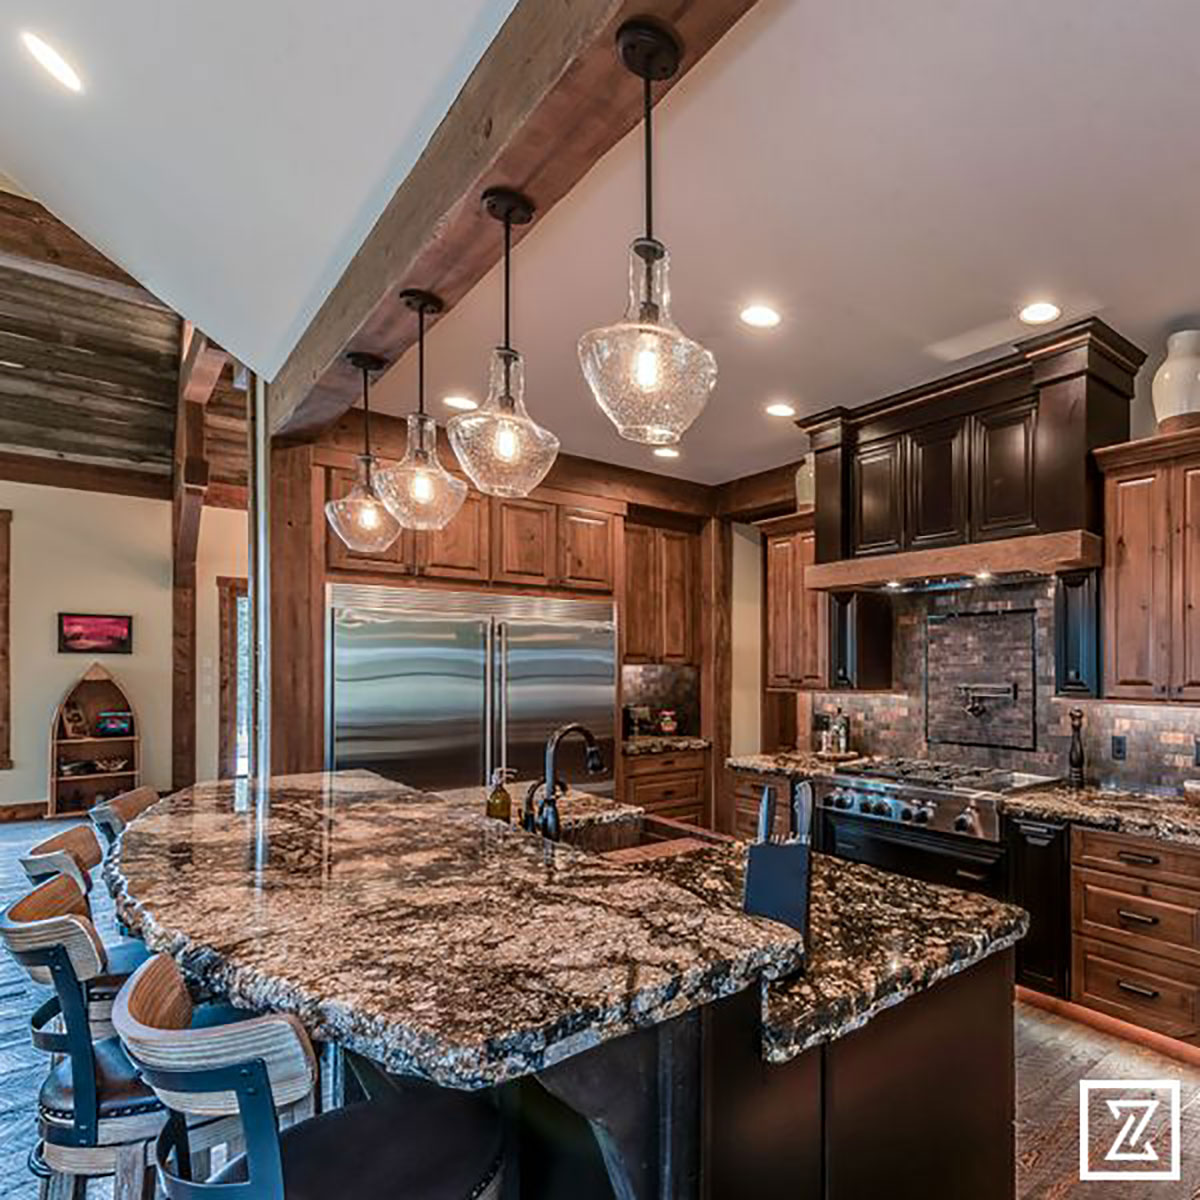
x=1037, y=554
x=545, y=102
x=13, y=188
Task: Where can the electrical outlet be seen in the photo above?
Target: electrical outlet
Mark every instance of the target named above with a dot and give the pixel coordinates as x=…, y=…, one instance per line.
x=1118, y=747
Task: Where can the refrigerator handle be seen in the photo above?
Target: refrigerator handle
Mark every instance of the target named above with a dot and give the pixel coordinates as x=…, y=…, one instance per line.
x=503, y=630
x=489, y=703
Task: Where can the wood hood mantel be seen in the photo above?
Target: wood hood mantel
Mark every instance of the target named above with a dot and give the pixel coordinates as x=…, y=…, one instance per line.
x=1036, y=554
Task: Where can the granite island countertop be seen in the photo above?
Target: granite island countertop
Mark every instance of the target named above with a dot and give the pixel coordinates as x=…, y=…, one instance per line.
x=425, y=937
x=1135, y=813
x=876, y=939
x=576, y=808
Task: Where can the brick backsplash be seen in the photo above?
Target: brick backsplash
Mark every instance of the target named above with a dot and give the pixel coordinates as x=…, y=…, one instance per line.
x=1159, y=737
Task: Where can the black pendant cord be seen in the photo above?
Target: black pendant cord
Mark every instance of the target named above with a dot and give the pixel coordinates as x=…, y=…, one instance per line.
x=421, y=360
x=508, y=306
x=647, y=109
x=366, y=414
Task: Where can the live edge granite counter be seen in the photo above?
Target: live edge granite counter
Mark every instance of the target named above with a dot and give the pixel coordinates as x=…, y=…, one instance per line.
x=442, y=945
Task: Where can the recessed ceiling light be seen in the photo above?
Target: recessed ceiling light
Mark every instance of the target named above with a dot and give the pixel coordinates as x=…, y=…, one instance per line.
x=463, y=402
x=780, y=409
x=666, y=452
x=894, y=584
x=52, y=61
x=1040, y=312
x=983, y=576
x=761, y=316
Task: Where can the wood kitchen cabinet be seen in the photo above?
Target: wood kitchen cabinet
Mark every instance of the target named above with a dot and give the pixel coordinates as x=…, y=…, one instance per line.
x=877, y=497
x=463, y=549
x=586, y=548
x=936, y=480
x=524, y=541
x=673, y=784
x=1002, y=471
x=400, y=558
x=660, y=589
x=1039, y=860
x=1152, y=569
x=860, y=641
x=796, y=629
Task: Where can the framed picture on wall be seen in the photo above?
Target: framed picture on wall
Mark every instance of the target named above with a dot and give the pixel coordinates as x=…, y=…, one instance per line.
x=94, y=633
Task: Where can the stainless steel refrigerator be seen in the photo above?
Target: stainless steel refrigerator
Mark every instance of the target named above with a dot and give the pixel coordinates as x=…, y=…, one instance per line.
x=436, y=689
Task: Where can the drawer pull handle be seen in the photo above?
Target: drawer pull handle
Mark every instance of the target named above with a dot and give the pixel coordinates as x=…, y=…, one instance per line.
x=973, y=876
x=1141, y=860
x=1136, y=917
x=1136, y=989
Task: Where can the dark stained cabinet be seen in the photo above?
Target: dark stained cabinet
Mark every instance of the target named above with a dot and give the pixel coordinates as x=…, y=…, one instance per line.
x=587, y=548
x=1002, y=471
x=1039, y=857
x=660, y=589
x=860, y=641
x=937, y=485
x=1077, y=634
x=877, y=482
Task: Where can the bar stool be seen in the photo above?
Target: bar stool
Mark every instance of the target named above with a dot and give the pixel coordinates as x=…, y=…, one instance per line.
x=425, y=1144
x=95, y=1116
x=112, y=817
x=73, y=852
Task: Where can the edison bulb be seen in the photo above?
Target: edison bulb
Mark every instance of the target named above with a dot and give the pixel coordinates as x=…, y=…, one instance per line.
x=646, y=368
x=421, y=488
x=506, y=442
x=368, y=516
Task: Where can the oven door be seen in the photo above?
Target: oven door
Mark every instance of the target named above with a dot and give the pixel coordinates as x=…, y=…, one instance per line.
x=969, y=864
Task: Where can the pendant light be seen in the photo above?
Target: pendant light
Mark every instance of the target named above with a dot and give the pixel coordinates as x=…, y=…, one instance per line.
x=418, y=491
x=651, y=380
x=360, y=518
x=500, y=446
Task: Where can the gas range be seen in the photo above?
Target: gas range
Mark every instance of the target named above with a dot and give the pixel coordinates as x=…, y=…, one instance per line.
x=947, y=798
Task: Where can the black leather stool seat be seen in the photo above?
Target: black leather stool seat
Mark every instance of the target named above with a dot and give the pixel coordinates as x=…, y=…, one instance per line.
x=119, y=1091
x=447, y=1147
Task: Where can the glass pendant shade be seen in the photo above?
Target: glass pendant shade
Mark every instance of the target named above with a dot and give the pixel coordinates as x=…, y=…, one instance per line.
x=418, y=491
x=651, y=379
x=360, y=518
x=499, y=445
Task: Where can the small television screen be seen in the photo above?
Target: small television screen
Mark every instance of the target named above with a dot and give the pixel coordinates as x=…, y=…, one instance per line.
x=92, y=633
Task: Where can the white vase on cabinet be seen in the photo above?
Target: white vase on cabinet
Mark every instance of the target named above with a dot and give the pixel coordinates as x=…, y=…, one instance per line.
x=1176, y=387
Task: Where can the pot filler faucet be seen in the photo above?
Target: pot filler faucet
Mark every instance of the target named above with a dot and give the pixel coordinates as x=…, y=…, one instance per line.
x=546, y=821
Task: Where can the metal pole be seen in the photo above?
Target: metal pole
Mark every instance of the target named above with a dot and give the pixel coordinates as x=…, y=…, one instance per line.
x=260, y=581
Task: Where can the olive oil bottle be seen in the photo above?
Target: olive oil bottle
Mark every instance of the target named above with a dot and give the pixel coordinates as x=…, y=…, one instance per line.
x=499, y=802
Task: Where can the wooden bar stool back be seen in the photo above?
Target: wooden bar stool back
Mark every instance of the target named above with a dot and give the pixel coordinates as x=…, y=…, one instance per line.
x=112, y=817
x=95, y=1116
x=439, y=1146
x=73, y=852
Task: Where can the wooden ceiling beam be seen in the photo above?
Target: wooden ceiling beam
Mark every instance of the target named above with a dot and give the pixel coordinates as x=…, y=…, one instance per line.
x=201, y=367
x=545, y=102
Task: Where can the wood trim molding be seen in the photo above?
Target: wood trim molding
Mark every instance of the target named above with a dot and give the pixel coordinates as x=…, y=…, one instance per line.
x=1148, y=450
x=545, y=102
x=1039, y=553
x=5, y=640
x=229, y=590
x=752, y=497
x=50, y=471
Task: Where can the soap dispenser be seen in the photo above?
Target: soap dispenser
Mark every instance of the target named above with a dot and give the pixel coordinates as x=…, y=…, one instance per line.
x=499, y=802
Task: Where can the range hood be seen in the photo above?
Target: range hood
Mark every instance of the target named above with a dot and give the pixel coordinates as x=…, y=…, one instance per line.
x=1018, y=557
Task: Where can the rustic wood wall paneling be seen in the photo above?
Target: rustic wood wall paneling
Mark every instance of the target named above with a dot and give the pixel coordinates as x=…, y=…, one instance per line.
x=29, y=231
x=716, y=662
x=51, y=471
x=547, y=99
x=5, y=640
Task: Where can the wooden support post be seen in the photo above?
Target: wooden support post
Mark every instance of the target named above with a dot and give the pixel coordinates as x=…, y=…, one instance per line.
x=716, y=661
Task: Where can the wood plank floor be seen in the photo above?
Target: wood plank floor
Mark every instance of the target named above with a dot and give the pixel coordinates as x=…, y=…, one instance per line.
x=1053, y=1054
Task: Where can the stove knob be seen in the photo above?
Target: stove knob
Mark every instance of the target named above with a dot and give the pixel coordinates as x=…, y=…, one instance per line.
x=965, y=821
x=882, y=808
x=921, y=816
x=866, y=805
x=843, y=800
x=907, y=814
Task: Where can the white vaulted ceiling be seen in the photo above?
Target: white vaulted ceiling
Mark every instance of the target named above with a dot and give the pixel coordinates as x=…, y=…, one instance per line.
x=896, y=178
x=232, y=155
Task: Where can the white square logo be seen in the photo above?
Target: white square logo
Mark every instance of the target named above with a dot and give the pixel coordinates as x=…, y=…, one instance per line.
x=1129, y=1129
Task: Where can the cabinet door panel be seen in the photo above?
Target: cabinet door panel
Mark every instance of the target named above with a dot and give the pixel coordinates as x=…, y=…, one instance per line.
x=676, y=582
x=642, y=590
x=1002, y=469
x=1136, y=603
x=523, y=542
x=937, y=485
x=1185, y=575
x=781, y=582
x=461, y=550
x=812, y=613
x=1040, y=873
x=586, y=548
x=398, y=559
x=877, y=497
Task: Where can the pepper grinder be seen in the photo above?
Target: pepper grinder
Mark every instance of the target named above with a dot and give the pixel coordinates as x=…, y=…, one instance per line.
x=1075, y=756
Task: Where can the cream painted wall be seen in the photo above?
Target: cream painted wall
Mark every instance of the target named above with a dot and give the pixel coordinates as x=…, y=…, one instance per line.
x=86, y=552
x=224, y=537
x=746, y=640
x=91, y=552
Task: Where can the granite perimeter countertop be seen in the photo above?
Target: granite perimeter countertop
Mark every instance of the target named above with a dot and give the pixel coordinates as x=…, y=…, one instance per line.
x=576, y=809
x=800, y=763
x=1135, y=813
x=428, y=938
x=663, y=744
x=875, y=939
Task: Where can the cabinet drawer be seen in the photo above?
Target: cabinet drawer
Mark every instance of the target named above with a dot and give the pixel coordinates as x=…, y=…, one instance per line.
x=1142, y=858
x=638, y=765
x=1141, y=988
x=747, y=796
x=1136, y=913
x=670, y=790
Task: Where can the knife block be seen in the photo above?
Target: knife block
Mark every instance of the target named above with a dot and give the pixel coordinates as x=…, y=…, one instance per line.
x=778, y=876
